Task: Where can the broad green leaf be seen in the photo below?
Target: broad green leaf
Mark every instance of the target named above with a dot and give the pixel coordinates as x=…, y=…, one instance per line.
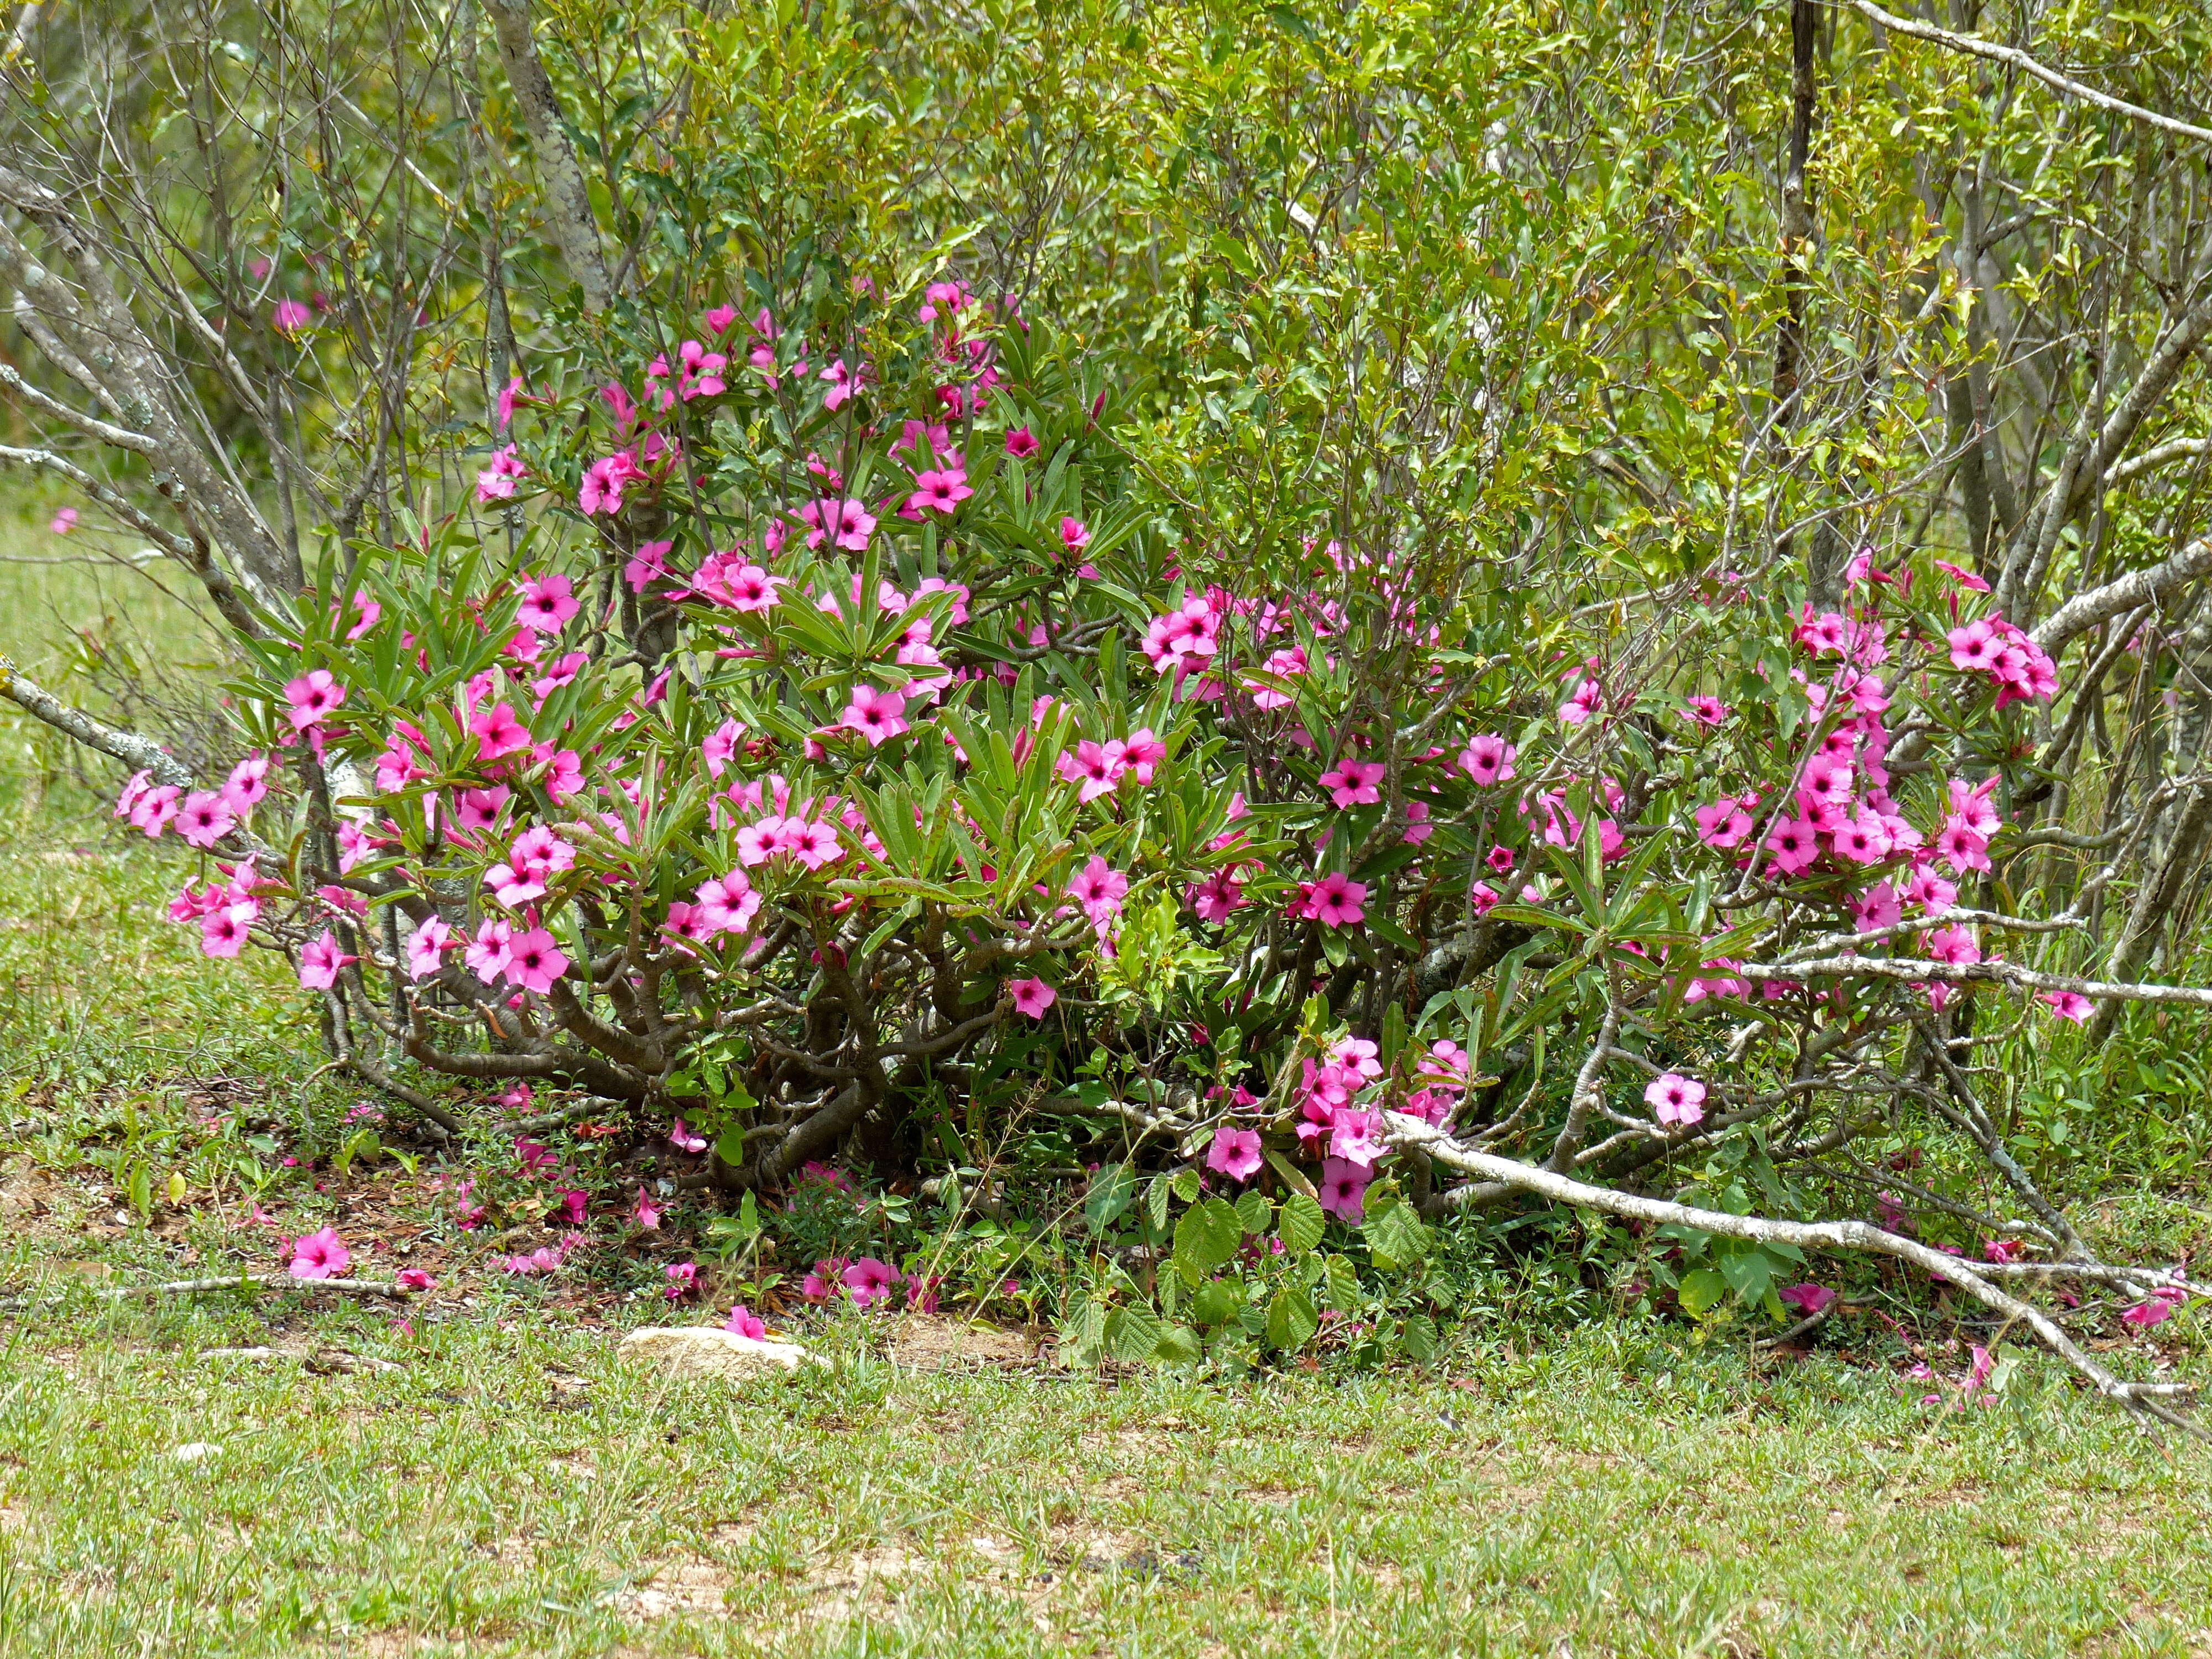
x=1292, y=1320
x=1700, y=1289
x=1254, y=1212
x=1205, y=1238
x=1112, y=1191
x=1397, y=1238
x=1302, y=1223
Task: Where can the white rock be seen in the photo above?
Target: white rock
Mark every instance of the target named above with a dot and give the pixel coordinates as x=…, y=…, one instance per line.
x=193, y=1451
x=708, y=1351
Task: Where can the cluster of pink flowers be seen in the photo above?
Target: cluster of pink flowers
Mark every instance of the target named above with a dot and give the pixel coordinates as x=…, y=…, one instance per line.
x=2019, y=668
x=867, y=1282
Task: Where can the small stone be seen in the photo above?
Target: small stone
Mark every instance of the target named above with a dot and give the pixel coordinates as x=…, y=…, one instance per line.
x=708, y=1351
x=193, y=1451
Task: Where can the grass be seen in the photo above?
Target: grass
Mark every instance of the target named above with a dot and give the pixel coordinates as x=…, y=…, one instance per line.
x=510, y=1489
x=490, y=1478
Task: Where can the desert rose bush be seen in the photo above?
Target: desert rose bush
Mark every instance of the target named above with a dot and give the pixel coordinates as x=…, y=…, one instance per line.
x=1334, y=690
x=832, y=717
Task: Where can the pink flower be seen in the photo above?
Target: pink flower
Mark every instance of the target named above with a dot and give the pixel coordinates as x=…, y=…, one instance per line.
x=1955, y=945
x=223, y=933
x=65, y=521
x=812, y=844
x=2001, y=1250
x=743, y=1321
x=2069, y=1004
x=1099, y=891
x=1974, y=646
x=2155, y=1311
x=1334, y=901
x=204, y=818
x=1418, y=827
x=843, y=383
x=319, y=1256
x=1806, y=1299
x=1794, y=846
x=726, y=904
x=549, y=603
x=1031, y=996
x=312, y=696
x=1709, y=711
x=319, y=962
x=1864, y=839
x=1585, y=701
x=1074, y=535
x=1875, y=908
x=1215, y=896
x=1142, y=752
x=426, y=945
x=939, y=491
x=870, y=1281
x=849, y=523
x=749, y=588
x=414, y=1278
x=1675, y=1098
x=683, y=1276
x=1356, y=1137
x=1353, y=783
x=681, y=1138
x=1343, y=1189
x=1962, y=849
x=248, y=783
x=648, y=565
x=1965, y=578
x=1235, y=1154
x=603, y=480
x=647, y=1213
x=289, y=317
x=1482, y=898
x=1724, y=824
x=1097, y=768
x=497, y=482
x=487, y=954
x=875, y=714
x=1487, y=758
x=1021, y=443
x=534, y=962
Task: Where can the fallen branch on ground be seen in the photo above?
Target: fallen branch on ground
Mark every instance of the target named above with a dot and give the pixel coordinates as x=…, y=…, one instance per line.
x=1851, y=1236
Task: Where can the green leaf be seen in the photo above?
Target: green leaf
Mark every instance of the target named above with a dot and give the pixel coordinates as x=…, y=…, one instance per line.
x=1206, y=1238
x=1292, y=1320
x=1216, y=1303
x=1700, y=1289
x=1748, y=1273
x=1302, y=1223
x=1419, y=1339
x=1112, y=1191
x=1178, y=1346
x=1157, y=1195
x=1133, y=1333
x=1397, y=1238
x=1083, y=1333
x=730, y=1147
x=1255, y=1211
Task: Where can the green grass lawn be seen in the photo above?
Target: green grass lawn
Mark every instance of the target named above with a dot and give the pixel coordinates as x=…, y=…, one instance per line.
x=509, y=1489
x=487, y=1478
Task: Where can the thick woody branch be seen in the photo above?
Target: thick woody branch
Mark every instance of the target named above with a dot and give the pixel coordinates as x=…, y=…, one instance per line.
x=140, y=753
x=569, y=214
x=2138, y=587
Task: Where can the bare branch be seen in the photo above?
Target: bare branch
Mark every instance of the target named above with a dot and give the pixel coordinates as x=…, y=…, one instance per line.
x=1975, y=46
